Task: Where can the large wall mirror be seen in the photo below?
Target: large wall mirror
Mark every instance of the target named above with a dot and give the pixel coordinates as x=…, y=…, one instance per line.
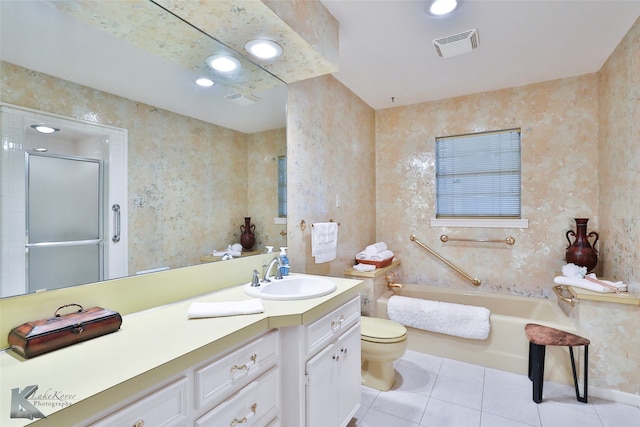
x=199, y=160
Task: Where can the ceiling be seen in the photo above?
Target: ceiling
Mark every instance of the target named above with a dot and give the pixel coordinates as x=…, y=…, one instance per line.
x=387, y=52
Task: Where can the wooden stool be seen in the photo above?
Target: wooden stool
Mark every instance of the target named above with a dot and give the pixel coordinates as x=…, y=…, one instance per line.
x=540, y=336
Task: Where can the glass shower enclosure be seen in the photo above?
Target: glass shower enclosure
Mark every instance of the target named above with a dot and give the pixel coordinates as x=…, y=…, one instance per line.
x=64, y=220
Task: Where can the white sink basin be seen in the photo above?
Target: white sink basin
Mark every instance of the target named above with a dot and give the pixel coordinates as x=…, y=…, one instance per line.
x=291, y=288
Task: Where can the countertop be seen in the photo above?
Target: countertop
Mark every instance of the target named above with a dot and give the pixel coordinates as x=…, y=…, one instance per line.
x=153, y=343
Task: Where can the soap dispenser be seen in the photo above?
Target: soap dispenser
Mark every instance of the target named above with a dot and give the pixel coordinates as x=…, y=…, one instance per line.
x=284, y=260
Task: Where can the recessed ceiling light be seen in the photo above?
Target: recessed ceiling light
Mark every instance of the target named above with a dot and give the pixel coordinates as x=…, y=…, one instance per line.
x=204, y=82
x=222, y=63
x=44, y=128
x=263, y=49
x=440, y=7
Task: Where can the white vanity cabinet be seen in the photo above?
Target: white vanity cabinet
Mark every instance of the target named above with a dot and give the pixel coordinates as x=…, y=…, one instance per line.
x=321, y=385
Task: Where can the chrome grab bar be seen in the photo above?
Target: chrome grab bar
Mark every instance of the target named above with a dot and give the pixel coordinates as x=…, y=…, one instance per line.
x=116, y=222
x=508, y=240
x=559, y=291
x=474, y=281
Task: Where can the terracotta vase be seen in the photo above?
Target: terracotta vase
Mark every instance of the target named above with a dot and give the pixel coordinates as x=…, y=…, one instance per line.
x=247, y=238
x=580, y=252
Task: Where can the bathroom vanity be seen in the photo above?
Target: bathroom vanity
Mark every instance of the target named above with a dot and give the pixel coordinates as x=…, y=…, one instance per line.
x=298, y=363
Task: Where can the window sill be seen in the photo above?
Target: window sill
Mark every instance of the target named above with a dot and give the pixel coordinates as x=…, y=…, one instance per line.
x=479, y=223
x=280, y=220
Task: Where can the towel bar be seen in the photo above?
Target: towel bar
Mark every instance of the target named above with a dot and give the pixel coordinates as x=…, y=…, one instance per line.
x=508, y=240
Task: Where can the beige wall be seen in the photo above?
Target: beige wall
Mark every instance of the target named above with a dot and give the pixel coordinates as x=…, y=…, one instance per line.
x=191, y=175
x=613, y=328
x=559, y=182
x=331, y=151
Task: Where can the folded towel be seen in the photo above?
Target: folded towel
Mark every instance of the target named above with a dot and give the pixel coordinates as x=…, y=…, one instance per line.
x=589, y=285
x=364, y=267
x=199, y=310
x=324, y=241
x=380, y=256
x=375, y=248
x=223, y=253
x=464, y=321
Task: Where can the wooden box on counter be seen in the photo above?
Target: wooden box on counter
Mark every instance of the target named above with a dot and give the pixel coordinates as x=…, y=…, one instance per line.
x=42, y=336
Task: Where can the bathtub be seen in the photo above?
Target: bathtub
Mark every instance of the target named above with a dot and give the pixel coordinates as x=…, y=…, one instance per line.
x=507, y=347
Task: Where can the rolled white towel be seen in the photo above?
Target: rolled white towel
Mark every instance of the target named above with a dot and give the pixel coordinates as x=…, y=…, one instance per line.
x=589, y=285
x=199, y=310
x=375, y=248
x=362, y=255
x=464, y=321
x=380, y=256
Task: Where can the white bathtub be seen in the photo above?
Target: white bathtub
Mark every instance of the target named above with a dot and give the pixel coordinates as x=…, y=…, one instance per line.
x=507, y=347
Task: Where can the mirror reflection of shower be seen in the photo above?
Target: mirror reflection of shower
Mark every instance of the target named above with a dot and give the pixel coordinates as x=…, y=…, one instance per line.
x=56, y=202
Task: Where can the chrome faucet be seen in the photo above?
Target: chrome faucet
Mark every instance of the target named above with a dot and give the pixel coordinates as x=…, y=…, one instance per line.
x=278, y=275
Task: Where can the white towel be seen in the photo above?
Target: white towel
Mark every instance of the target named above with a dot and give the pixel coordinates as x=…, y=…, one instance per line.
x=464, y=321
x=379, y=256
x=364, y=267
x=223, y=253
x=375, y=248
x=324, y=241
x=199, y=310
x=586, y=284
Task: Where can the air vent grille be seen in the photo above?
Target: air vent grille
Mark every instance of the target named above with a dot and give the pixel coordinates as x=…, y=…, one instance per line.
x=240, y=99
x=456, y=44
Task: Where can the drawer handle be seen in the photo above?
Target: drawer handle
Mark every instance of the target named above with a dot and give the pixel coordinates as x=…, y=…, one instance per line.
x=336, y=325
x=139, y=423
x=246, y=418
x=245, y=367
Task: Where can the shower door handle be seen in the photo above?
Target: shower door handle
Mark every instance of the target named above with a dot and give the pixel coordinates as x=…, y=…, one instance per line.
x=116, y=222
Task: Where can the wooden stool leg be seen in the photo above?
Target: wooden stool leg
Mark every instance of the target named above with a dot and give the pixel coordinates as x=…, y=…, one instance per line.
x=536, y=369
x=586, y=374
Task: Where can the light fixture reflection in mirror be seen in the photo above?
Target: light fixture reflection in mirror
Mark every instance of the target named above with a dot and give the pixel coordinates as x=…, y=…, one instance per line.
x=45, y=129
x=223, y=63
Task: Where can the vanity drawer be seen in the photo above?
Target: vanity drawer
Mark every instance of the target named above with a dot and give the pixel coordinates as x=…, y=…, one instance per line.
x=216, y=380
x=332, y=325
x=256, y=405
x=165, y=407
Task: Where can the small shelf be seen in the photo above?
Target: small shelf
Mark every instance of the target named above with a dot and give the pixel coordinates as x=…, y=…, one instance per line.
x=350, y=272
x=584, y=294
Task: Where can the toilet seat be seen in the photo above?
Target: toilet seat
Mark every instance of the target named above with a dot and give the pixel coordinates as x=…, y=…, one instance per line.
x=382, y=331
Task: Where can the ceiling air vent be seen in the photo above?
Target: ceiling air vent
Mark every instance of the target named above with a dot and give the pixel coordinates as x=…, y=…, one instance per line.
x=240, y=99
x=456, y=44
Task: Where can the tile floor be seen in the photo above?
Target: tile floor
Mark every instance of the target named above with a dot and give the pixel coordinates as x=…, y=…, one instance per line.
x=435, y=392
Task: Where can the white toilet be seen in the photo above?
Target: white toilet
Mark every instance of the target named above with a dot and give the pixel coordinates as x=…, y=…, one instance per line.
x=383, y=341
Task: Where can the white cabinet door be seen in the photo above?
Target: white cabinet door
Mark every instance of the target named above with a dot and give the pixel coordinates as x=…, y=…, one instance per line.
x=349, y=376
x=333, y=382
x=322, y=385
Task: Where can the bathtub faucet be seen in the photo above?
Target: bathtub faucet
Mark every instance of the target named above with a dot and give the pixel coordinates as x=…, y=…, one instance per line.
x=391, y=280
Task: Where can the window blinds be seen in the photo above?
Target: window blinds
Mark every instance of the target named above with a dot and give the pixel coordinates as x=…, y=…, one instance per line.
x=478, y=176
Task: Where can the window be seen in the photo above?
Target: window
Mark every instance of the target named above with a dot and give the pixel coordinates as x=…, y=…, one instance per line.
x=282, y=186
x=478, y=175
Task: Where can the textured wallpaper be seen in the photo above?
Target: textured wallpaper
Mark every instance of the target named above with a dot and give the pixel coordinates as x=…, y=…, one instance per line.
x=559, y=183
